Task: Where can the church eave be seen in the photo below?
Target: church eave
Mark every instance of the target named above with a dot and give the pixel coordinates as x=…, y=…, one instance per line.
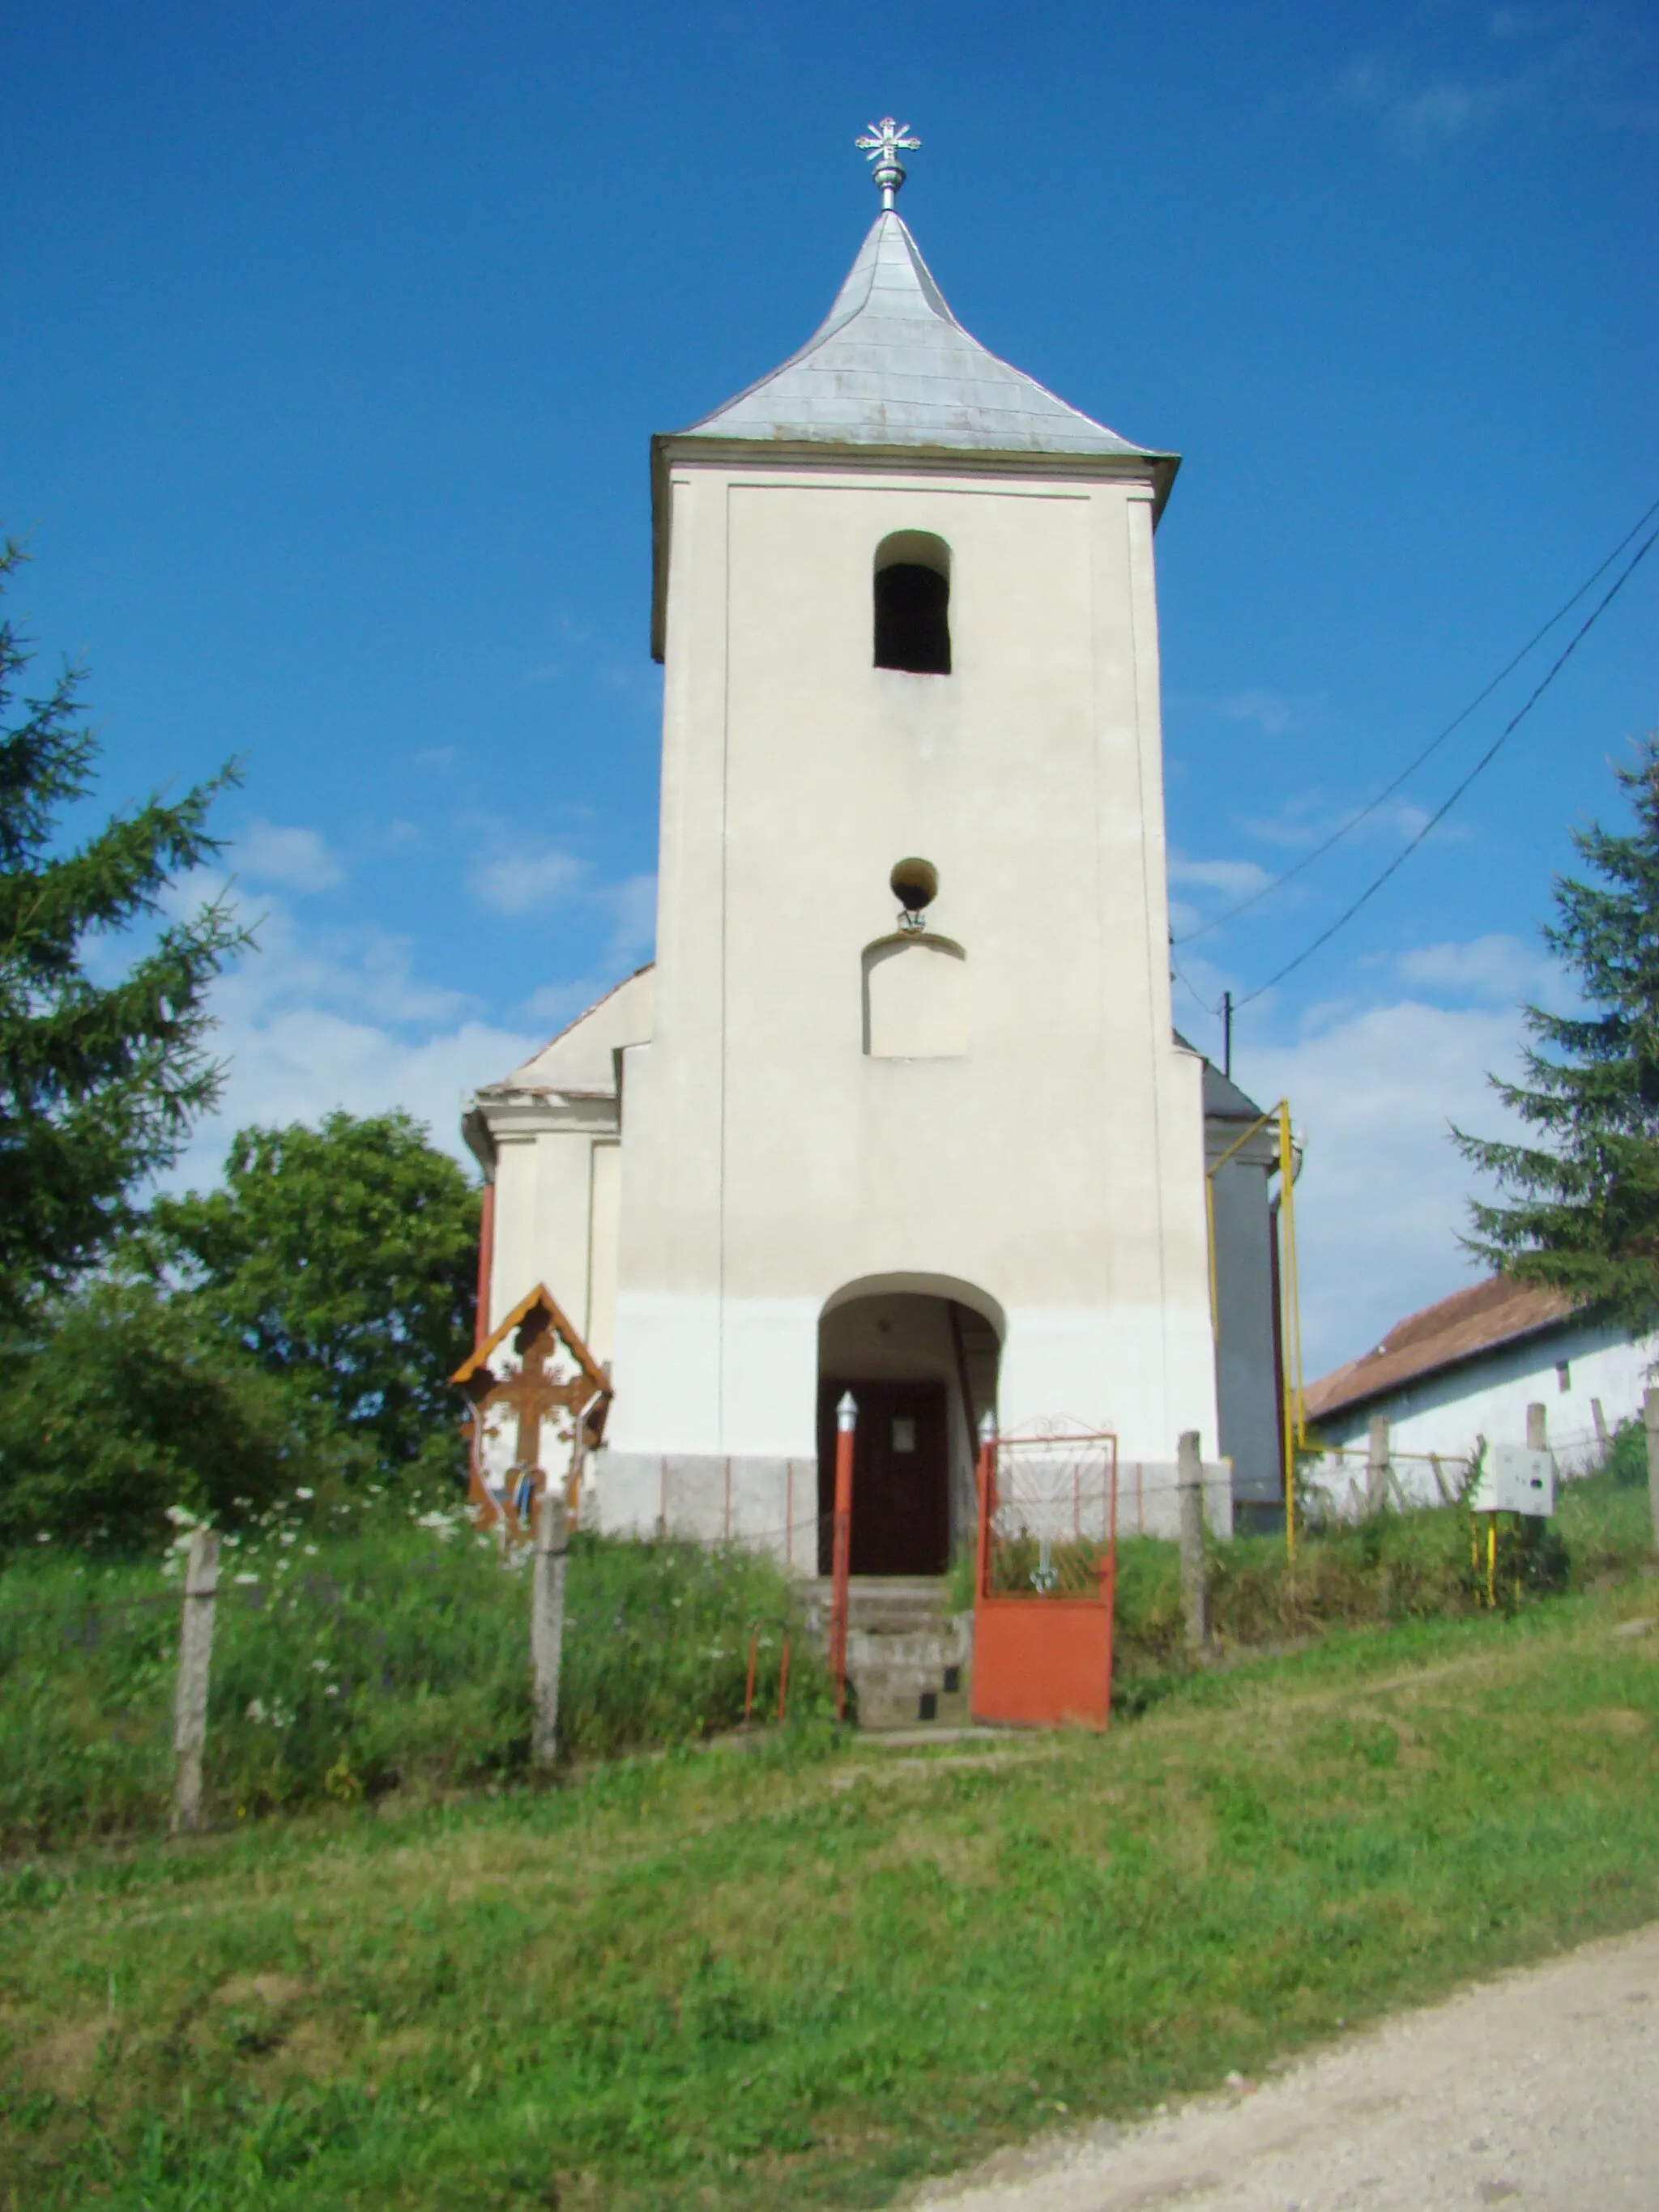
x=500, y=1112
x=1130, y=465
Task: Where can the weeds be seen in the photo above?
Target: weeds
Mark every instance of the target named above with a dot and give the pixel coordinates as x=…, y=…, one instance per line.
x=386, y=1652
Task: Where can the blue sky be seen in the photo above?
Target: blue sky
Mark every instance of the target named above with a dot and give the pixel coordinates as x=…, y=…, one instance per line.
x=334, y=336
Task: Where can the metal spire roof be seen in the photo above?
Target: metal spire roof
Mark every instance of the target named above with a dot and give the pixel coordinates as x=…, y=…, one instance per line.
x=890, y=366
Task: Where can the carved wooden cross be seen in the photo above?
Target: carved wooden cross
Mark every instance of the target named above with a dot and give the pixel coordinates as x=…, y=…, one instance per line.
x=532, y=1393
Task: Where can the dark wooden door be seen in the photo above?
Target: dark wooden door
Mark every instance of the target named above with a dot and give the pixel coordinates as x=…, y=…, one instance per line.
x=901, y=1477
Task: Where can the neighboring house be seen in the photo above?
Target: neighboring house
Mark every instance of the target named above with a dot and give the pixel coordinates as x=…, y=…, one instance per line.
x=1467, y=1369
x=953, y=1159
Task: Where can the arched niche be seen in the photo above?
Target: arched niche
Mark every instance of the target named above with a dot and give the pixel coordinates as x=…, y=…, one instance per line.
x=916, y=997
x=918, y=1282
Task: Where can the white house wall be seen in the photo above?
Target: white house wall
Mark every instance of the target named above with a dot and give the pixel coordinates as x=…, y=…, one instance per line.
x=1448, y=1413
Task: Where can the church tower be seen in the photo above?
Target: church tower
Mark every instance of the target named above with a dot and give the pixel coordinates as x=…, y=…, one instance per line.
x=906, y=1114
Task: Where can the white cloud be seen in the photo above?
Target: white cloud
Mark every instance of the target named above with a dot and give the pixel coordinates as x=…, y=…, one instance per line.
x=1498, y=967
x=298, y=1066
x=1275, y=714
x=520, y=883
x=299, y=859
x=633, y=904
x=1234, y=879
x=1383, y=1193
x=1421, y=117
x=1309, y=818
x=316, y=1019
x=1536, y=66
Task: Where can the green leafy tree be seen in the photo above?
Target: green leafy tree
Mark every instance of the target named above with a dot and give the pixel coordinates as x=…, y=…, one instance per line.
x=343, y=1258
x=133, y=1402
x=100, y=1084
x=1578, y=1209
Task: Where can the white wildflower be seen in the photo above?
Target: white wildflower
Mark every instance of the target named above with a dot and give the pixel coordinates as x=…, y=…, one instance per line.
x=305, y=1493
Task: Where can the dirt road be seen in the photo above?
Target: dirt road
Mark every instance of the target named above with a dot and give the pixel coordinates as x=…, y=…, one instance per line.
x=1537, y=2090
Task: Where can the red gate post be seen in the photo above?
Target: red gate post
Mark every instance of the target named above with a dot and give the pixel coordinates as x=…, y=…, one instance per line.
x=988, y=1476
x=847, y=1420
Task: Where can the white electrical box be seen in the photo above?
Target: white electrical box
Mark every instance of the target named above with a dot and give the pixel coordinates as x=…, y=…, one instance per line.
x=1516, y=1480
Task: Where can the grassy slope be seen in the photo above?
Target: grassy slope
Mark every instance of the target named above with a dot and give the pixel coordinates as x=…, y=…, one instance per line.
x=721, y=1979
x=381, y=1656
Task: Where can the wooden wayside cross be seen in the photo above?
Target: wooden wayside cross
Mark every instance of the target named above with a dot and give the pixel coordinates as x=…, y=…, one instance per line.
x=533, y=1366
x=535, y=1390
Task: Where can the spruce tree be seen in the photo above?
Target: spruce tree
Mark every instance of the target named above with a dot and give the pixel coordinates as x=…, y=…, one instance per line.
x=1578, y=1208
x=100, y=1081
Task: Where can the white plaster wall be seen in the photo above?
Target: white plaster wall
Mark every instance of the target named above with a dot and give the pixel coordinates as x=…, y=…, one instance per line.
x=1058, y=1162
x=1447, y=1413
x=516, y=1262
x=554, y=1122
x=605, y=1227
x=543, y=1184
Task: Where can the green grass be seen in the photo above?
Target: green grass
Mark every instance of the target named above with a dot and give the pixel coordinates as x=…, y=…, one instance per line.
x=374, y=1653
x=810, y=1975
x=1393, y=1569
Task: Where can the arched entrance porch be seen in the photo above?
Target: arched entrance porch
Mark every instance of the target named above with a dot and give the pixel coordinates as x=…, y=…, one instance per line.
x=920, y=1355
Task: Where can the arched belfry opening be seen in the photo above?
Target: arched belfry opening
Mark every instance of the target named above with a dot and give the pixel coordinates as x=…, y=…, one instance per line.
x=912, y=603
x=920, y=1355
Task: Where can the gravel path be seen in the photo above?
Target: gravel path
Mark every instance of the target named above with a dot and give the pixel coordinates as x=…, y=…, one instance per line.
x=1539, y=2089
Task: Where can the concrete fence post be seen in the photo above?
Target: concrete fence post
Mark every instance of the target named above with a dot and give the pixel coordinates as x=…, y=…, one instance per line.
x=547, y=1621
x=1189, y=1487
x=1376, y=1465
x=1651, y=1422
x=189, y=1696
x=1538, y=1428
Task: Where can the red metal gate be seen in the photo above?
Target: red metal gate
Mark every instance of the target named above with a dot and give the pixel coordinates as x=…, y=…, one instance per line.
x=1046, y=1580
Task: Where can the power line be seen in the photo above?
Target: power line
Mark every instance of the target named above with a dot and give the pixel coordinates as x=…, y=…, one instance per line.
x=1412, y=767
x=1484, y=761
x=1176, y=969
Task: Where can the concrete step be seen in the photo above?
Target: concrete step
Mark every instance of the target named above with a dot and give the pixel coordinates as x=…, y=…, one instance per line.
x=908, y=1658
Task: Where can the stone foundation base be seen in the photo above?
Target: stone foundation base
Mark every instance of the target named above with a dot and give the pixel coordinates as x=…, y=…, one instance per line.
x=770, y=1504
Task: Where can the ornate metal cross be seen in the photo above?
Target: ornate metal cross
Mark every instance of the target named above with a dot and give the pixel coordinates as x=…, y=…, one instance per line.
x=881, y=144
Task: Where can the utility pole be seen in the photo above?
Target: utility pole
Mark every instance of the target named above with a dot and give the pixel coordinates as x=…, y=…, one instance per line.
x=1227, y=1034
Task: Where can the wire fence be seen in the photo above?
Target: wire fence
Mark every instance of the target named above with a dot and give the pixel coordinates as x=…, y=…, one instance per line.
x=385, y=1660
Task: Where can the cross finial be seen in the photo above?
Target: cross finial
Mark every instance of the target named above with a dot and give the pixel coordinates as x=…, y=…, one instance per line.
x=882, y=143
